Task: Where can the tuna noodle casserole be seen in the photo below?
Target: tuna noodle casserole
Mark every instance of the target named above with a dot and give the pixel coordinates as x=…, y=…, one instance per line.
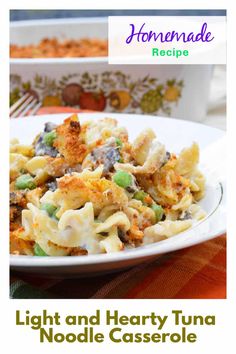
x=53, y=48
x=85, y=188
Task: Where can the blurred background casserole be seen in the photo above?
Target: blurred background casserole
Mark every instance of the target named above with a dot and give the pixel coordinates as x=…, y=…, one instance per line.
x=60, y=57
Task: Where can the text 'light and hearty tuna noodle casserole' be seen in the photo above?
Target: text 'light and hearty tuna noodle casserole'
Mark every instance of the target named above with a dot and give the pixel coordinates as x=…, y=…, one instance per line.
x=85, y=189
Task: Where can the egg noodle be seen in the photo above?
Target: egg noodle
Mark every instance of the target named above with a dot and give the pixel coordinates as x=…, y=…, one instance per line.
x=86, y=189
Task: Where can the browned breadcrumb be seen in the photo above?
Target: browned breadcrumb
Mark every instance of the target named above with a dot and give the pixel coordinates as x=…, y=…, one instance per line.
x=19, y=246
x=18, y=198
x=33, y=196
x=165, y=180
x=15, y=212
x=56, y=166
x=134, y=234
x=78, y=252
x=101, y=192
x=18, y=202
x=53, y=48
x=69, y=142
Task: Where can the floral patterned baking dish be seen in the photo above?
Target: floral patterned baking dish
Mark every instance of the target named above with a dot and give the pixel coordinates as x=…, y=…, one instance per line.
x=91, y=83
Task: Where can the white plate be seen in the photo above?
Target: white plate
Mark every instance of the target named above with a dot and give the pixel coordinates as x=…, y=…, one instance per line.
x=175, y=134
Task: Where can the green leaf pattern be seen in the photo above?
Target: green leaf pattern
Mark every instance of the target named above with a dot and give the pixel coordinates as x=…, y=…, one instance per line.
x=141, y=91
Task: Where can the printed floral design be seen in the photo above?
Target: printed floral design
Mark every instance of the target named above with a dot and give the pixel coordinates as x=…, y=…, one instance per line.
x=111, y=91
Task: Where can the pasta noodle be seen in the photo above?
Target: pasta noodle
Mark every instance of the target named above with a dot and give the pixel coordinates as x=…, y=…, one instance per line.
x=154, y=159
x=165, y=229
x=86, y=189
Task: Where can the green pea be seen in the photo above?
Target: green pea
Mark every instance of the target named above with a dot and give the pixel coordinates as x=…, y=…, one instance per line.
x=38, y=251
x=25, y=182
x=140, y=195
x=158, y=210
x=49, y=138
x=49, y=208
x=119, y=143
x=122, y=179
x=55, y=213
